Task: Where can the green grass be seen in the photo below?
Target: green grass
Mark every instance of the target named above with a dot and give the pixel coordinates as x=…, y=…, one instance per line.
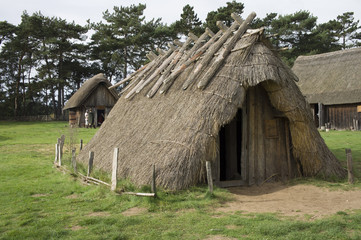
x=39, y=202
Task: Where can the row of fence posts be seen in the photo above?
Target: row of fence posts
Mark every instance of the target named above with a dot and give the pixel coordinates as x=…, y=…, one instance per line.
x=59, y=153
x=58, y=161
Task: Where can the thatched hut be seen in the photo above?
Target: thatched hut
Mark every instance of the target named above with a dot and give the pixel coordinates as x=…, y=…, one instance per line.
x=331, y=83
x=229, y=100
x=93, y=95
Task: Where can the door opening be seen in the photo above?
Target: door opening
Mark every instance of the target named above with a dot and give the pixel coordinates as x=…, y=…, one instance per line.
x=100, y=116
x=230, y=144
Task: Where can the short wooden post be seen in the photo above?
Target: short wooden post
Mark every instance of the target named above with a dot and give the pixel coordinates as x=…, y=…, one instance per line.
x=114, y=169
x=81, y=144
x=209, y=176
x=56, y=153
x=73, y=160
x=61, y=141
x=349, y=166
x=153, y=186
x=90, y=164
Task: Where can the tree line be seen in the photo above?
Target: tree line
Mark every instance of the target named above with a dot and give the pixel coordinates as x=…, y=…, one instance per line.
x=44, y=60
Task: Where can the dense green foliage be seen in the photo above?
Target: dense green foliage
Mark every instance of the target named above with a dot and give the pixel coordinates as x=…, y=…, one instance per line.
x=44, y=60
x=40, y=202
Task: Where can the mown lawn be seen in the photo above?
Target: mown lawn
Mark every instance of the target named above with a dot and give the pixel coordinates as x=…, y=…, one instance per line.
x=39, y=202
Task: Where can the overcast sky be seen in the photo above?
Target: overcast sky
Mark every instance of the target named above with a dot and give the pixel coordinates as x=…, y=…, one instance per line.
x=170, y=10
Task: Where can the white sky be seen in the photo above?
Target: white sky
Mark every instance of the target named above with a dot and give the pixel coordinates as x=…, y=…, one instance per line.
x=170, y=10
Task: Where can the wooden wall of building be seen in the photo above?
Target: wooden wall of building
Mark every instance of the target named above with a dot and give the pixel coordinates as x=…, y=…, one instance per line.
x=265, y=145
x=342, y=116
x=99, y=99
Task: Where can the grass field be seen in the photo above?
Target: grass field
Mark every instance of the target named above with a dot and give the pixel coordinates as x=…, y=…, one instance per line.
x=39, y=202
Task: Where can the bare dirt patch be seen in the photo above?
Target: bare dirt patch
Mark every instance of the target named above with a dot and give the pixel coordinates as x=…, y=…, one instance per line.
x=134, y=211
x=295, y=200
x=72, y=196
x=99, y=214
x=39, y=195
x=218, y=237
x=76, y=228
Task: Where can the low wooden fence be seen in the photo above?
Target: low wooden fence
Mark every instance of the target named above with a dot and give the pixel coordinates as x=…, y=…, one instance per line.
x=113, y=185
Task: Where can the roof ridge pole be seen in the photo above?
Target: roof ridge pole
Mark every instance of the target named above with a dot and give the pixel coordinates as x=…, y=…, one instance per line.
x=195, y=47
x=155, y=65
x=174, y=57
x=157, y=71
x=225, y=52
x=175, y=64
x=151, y=56
x=210, y=54
x=128, y=77
x=195, y=56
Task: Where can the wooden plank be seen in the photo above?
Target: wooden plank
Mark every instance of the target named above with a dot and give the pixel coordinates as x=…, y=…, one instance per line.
x=140, y=194
x=288, y=149
x=244, y=154
x=114, y=169
x=98, y=181
x=261, y=160
x=209, y=176
x=90, y=163
x=359, y=108
x=320, y=115
x=349, y=166
x=252, y=134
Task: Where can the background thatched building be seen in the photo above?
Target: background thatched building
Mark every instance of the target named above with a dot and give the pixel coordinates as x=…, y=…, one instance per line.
x=331, y=83
x=229, y=100
x=93, y=94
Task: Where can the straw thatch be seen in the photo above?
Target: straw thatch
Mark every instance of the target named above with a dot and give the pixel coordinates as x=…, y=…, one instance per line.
x=178, y=130
x=330, y=78
x=82, y=94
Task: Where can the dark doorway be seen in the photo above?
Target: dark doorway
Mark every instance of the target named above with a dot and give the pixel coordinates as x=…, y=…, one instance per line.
x=100, y=115
x=230, y=141
x=315, y=109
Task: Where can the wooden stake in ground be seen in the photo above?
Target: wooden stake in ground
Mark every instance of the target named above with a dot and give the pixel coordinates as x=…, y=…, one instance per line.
x=56, y=153
x=81, y=144
x=61, y=141
x=73, y=160
x=153, y=187
x=114, y=169
x=90, y=164
x=209, y=176
x=349, y=166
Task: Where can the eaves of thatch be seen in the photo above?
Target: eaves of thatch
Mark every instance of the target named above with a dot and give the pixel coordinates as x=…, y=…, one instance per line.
x=80, y=96
x=330, y=78
x=171, y=112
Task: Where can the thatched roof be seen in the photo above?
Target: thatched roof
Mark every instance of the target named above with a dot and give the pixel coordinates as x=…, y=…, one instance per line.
x=330, y=78
x=80, y=96
x=178, y=129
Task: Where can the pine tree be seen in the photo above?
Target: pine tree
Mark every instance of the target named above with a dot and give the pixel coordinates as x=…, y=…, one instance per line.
x=189, y=22
x=223, y=14
x=348, y=30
